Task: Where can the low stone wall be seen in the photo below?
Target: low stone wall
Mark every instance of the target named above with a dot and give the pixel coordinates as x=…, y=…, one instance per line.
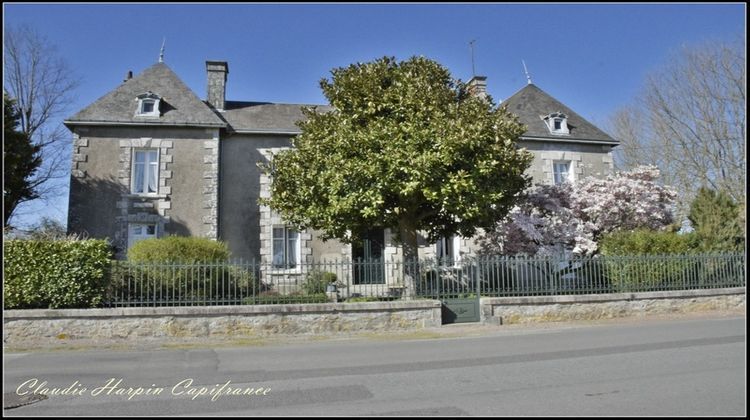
x=522, y=310
x=48, y=326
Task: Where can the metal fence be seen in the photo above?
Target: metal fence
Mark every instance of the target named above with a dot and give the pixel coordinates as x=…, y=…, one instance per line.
x=251, y=283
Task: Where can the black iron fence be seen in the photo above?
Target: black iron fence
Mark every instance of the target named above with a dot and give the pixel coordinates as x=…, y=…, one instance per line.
x=251, y=283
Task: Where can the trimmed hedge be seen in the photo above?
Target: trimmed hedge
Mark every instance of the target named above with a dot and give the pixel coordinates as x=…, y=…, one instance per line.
x=648, y=242
x=637, y=265
x=178, y=249
x=181, y=268
x=55, y=274
x=271, y=298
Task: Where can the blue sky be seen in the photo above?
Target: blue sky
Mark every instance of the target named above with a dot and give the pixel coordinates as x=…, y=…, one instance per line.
x=592, y=57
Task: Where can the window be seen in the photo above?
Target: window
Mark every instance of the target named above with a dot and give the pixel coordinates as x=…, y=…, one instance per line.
x=148, y=105
x=561, y=171
x=140, y=231
x=368, y=264
x=285, y=247
x=447, y=250
x=557, y=123
x=145, y=171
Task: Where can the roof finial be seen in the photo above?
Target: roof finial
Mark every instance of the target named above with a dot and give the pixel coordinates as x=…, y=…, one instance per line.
x=528, y=78
x=471, y=46
x=161, y=53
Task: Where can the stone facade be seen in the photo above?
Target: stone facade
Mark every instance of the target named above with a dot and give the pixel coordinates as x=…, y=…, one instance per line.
x=102, y=200
x=209, y=182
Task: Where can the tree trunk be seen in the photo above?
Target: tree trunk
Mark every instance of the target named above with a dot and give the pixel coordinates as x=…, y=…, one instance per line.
x=408, y=236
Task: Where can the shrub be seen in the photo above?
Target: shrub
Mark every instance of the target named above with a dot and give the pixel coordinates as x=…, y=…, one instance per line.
x=648, y=242
x=206, y=283
x=273, y=297
x=179, y=268
x=55, y=274
x=317, y=281
x=640, y=260
x=179, y=249
x=359, y=299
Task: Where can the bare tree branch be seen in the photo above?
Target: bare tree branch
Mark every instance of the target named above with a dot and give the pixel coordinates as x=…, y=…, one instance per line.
x=690, y=121
x=42, y=84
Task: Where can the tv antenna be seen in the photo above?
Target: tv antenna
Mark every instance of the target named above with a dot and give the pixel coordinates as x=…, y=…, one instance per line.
x=471, y=47
x=528, y=78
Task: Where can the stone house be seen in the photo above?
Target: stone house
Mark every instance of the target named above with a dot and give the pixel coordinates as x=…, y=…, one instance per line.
x=152, y=159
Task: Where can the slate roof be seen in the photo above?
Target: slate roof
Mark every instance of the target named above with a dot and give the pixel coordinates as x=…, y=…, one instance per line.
x=180, y=106
x=531, y=104
x=265, y=116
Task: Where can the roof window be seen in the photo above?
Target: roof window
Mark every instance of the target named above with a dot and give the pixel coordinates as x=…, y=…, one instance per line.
x=148, y=105
x=557, y=123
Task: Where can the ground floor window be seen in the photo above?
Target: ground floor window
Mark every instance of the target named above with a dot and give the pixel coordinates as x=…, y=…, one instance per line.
x=368, y=263
x=140, y=231
x=285, y=247
x=447, y=250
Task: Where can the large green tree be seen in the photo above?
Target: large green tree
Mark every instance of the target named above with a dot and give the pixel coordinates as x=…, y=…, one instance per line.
x=405, y=147
x=716, y=219
x=21, y=159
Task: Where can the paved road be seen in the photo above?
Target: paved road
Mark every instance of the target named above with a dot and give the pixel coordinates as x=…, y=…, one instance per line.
x=678, y=367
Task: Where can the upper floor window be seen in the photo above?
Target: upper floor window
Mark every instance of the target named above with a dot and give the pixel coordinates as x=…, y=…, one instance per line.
x=148, y=105
x=557, y=123
x=562, y=172
x=145, y=171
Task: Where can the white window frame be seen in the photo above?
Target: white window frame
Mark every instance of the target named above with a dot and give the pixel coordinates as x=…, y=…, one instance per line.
x=569, y=177
x=455, y=256
x=557, y=117
x=285, y=265
x=134, y=237
x=148, y=97
x=147, y=164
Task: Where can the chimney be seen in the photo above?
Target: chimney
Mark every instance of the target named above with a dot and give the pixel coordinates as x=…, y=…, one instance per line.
x=217, y=83
x=477, y=86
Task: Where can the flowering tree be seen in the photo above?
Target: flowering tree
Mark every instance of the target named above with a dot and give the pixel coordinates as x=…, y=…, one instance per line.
x=555, y=219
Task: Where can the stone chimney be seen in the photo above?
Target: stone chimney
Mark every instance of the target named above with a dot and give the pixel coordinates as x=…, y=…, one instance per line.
x=478, y=86
x=217, y=83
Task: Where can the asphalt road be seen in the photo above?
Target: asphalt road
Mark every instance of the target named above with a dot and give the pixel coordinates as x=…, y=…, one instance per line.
x=678, y=367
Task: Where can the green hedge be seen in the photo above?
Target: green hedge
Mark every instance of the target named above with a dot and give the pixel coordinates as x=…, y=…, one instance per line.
x=178, y=249
x=55, y=274
x=270, y=298
x=208, y=283
x=182, y=269
x=317, y=282
x=639, y=260
x=648, y=242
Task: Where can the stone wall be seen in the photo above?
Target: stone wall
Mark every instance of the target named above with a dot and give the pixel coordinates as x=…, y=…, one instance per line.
x=526, y=310
x=44, y=327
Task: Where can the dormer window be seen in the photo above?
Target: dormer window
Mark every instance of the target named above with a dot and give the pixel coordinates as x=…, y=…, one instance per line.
x=148, y=105
x=557, y=123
